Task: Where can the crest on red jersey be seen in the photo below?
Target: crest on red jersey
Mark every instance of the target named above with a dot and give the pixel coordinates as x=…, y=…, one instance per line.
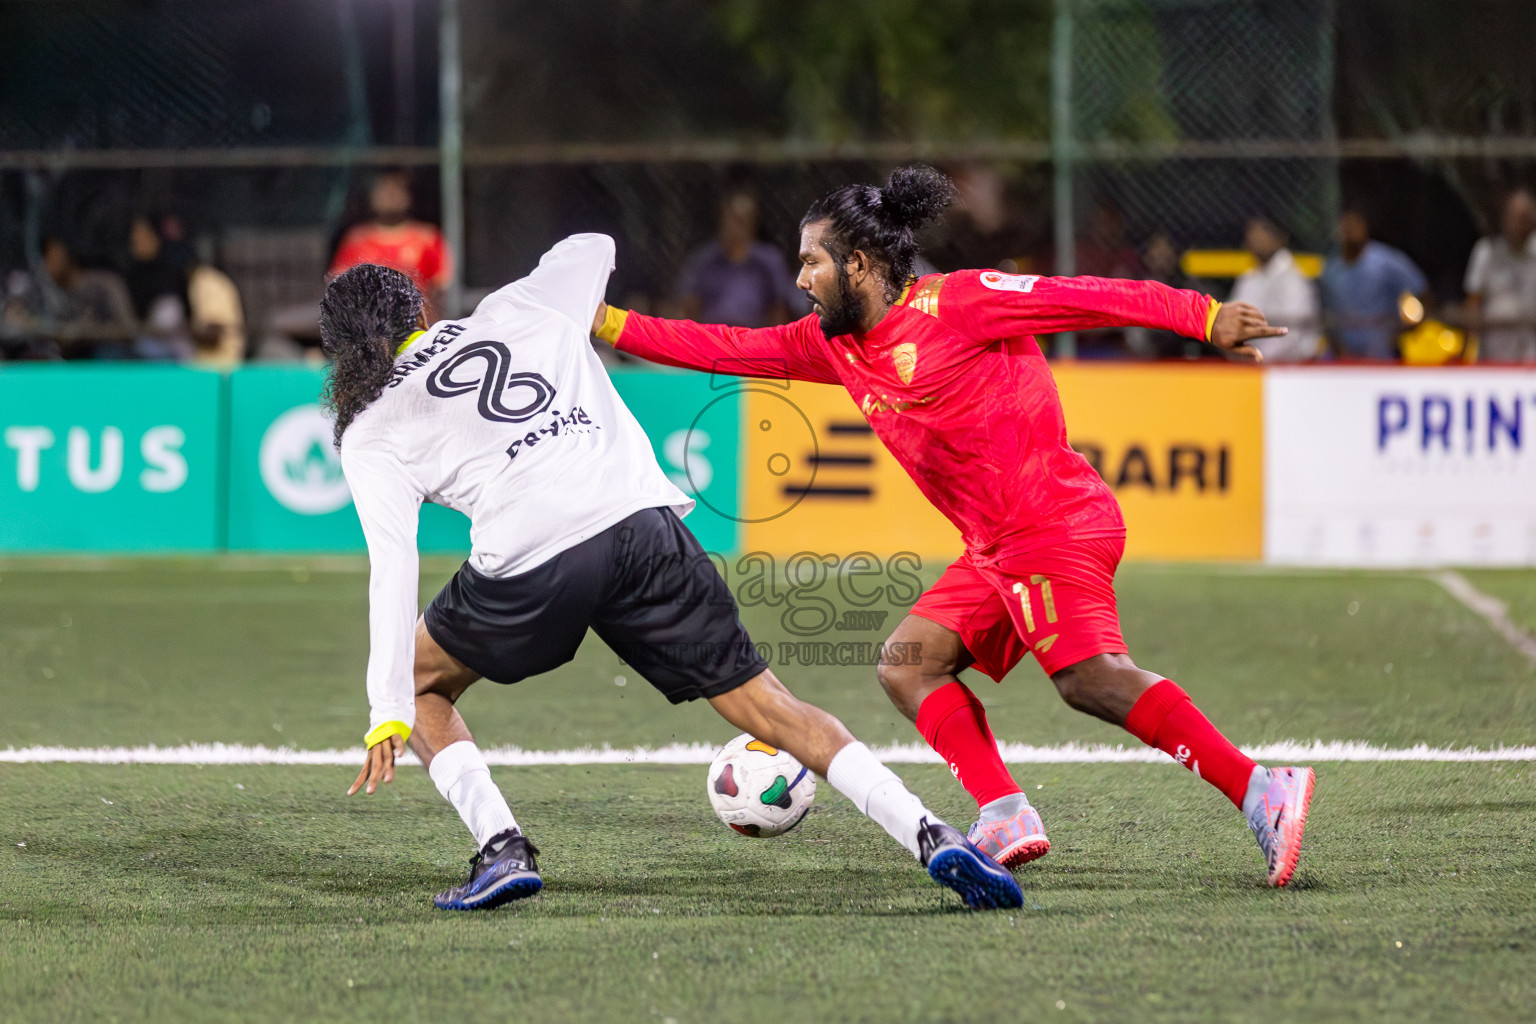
x=905, y=358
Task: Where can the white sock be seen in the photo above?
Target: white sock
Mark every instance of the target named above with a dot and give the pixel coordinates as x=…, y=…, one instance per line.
x=461, y=776
x=1004, y=807
x=1258, y=783
x=875, y=790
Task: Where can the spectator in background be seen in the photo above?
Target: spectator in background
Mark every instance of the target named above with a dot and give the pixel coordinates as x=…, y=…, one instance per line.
x=164, y=335
x=1501, y=285
x=1105, y=250
x=173, y=242
x=1161, y=263
x=218, y=318
x=62, y=310
x=1362, y=286
x=984, y=229
x=1281, y=292
x=157, y=287
x=392, y=239
x=153, y=270
x=737, y=279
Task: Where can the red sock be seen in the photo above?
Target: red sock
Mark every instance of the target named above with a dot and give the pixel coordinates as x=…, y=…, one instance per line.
x=1164, y=717
x=954, y=723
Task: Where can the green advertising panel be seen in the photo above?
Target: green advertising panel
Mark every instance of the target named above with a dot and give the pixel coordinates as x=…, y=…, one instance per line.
x=121, y=458
x=136, y=458
x=694, y=426
x=286, y=488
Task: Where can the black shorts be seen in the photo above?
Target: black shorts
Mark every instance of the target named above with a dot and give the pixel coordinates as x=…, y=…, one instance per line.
x=643, y=585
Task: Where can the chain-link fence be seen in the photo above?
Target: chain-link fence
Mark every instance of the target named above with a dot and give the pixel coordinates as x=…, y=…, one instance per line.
x=1212, y=73
x=258, y=124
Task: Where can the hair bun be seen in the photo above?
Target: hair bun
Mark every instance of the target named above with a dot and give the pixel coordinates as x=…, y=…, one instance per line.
x=914, y=195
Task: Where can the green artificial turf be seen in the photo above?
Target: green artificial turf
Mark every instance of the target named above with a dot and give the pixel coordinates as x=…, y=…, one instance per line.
x=168, y=893
x=262, y=893
x=1515, y=587
x=274, y=653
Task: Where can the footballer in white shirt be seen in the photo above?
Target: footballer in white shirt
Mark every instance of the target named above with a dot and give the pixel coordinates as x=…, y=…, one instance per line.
x=508, y=416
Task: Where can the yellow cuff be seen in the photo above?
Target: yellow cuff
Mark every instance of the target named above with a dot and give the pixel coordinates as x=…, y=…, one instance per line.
x=408, y=342
x=1210, y=318
x=384, y=731
x=613, y=325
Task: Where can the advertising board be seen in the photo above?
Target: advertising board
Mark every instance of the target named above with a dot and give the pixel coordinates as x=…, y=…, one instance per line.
x=110, y=458
x=1400, y=466
x=814, y=477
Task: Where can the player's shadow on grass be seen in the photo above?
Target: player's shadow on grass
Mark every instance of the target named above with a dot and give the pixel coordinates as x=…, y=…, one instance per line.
x=758, y=892
x=221, y=875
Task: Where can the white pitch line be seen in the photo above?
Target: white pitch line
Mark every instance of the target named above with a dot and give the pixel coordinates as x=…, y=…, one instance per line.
x=1286, y=751
x=1490, y=609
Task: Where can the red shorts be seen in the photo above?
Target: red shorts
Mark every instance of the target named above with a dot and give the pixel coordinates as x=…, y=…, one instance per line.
x=1058, y=603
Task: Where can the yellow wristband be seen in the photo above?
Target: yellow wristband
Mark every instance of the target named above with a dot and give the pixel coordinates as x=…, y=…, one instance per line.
x=613, y=325
x=384, y=730
x=1210, y=318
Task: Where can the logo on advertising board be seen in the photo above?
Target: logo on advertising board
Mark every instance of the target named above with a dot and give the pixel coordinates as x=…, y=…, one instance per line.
x=97, y=457
x=1401, y=466
x=1181, y=448
x=299, y=465
x=1472, y=428
x=813, y=471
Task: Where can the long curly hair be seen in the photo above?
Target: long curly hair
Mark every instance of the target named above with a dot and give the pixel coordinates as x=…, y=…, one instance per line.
x=883, y=221
x=366, y=312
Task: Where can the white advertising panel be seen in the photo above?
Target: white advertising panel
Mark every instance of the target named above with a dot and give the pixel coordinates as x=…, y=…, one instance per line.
x=1400, y=466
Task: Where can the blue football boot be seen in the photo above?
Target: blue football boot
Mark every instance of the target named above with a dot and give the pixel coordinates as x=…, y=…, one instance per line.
x=953, y=862
x=503, y=871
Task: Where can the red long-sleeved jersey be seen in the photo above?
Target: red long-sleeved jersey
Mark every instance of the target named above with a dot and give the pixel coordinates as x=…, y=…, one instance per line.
x=956, y=388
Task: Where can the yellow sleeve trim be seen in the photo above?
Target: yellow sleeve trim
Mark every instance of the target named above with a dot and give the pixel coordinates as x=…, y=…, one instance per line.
x=613, y=325
x=408, y=342
x=384, y=730
x=1210, y=318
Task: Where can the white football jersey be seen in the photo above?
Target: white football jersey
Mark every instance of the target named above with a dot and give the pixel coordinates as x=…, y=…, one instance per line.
x=509, y=417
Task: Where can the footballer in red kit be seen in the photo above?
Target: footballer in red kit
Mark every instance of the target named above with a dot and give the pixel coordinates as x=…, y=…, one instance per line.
x=946, y=369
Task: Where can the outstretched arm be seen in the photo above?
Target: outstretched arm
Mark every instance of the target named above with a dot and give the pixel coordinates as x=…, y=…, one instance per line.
x=570, y=279
x=795, y=351
x=1002, y=305
x=388, y=504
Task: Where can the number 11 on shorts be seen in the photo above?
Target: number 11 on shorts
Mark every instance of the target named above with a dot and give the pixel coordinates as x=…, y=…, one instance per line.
x=1046, y=600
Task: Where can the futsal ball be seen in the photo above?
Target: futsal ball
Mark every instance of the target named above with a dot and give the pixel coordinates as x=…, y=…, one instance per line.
x=759, y=790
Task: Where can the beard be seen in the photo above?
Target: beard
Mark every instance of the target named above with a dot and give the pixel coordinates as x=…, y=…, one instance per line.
x=843, y=312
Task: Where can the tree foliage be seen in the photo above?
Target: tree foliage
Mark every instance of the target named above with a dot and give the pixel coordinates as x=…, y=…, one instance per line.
x=941, y=70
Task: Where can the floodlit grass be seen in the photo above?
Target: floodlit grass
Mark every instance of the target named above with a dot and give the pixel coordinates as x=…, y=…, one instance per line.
x=187, y=897
x=240, y=893
x=274, y=652
x=1515, y=587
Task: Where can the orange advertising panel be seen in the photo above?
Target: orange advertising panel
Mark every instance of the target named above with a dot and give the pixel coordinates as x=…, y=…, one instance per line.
x=815, y=478
x=1181, y=446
